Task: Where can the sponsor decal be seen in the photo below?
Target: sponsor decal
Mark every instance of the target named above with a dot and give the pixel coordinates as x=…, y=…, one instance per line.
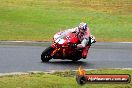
x=83, y=78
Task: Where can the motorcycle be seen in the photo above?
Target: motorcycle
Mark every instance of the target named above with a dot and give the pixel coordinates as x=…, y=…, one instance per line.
x=62, y=48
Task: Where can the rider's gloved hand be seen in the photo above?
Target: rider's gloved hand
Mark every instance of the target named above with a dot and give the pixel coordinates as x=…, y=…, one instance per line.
x=74, y=46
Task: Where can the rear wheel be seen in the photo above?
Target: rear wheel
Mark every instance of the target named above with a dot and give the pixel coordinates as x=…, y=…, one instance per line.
x=74, y=60
x=78, y=57
x=46, y=54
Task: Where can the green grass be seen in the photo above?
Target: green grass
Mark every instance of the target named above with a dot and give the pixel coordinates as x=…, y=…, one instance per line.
x=39, y=20
x=58, y=80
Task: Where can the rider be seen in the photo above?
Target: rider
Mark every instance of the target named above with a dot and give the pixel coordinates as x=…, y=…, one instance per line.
x=83, y=33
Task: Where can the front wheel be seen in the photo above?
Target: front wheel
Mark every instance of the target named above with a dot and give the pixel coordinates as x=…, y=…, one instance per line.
x=46, y=54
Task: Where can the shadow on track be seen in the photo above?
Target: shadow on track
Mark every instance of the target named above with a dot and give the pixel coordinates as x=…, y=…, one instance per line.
x=70, y=64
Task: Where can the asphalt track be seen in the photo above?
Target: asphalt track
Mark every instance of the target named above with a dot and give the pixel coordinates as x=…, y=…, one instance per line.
x=101, y=55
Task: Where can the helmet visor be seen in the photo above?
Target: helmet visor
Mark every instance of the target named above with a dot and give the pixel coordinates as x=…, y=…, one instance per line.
x=81, y=31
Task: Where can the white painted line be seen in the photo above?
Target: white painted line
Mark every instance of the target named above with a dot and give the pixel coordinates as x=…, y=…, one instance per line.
x=52, y=71
x=125, y=42
x=18, y=41
x=50, y=41
x=117, y=42
x=13, y=73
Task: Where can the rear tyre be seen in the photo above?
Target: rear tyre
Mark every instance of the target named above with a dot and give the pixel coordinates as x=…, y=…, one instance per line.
x=74, y=60
x=46, y=54
x=77, y=57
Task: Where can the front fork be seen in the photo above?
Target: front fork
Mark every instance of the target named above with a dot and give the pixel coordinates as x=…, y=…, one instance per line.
x=55, y=51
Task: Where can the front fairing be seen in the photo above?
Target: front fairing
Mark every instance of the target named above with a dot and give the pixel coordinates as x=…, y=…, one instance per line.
x=66, y=39
x=63, y=46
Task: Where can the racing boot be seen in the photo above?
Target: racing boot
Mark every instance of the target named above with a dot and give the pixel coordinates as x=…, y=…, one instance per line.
x=85, y=52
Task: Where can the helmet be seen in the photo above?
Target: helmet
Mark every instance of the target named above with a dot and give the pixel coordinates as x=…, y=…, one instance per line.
x=82, y=26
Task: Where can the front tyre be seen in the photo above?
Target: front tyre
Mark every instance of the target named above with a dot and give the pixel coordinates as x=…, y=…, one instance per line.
x=46, y=54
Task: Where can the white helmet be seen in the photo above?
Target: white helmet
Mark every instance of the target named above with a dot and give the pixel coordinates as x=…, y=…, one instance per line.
x=82, y=26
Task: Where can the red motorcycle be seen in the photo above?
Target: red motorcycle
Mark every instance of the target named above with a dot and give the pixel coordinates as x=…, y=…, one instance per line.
x=62, y=48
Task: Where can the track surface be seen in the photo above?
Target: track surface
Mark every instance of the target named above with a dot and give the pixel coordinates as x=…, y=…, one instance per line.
x=101, y=55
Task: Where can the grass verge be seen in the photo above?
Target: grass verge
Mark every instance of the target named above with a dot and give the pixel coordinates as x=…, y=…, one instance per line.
x=39, y=20
x=58, y=80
